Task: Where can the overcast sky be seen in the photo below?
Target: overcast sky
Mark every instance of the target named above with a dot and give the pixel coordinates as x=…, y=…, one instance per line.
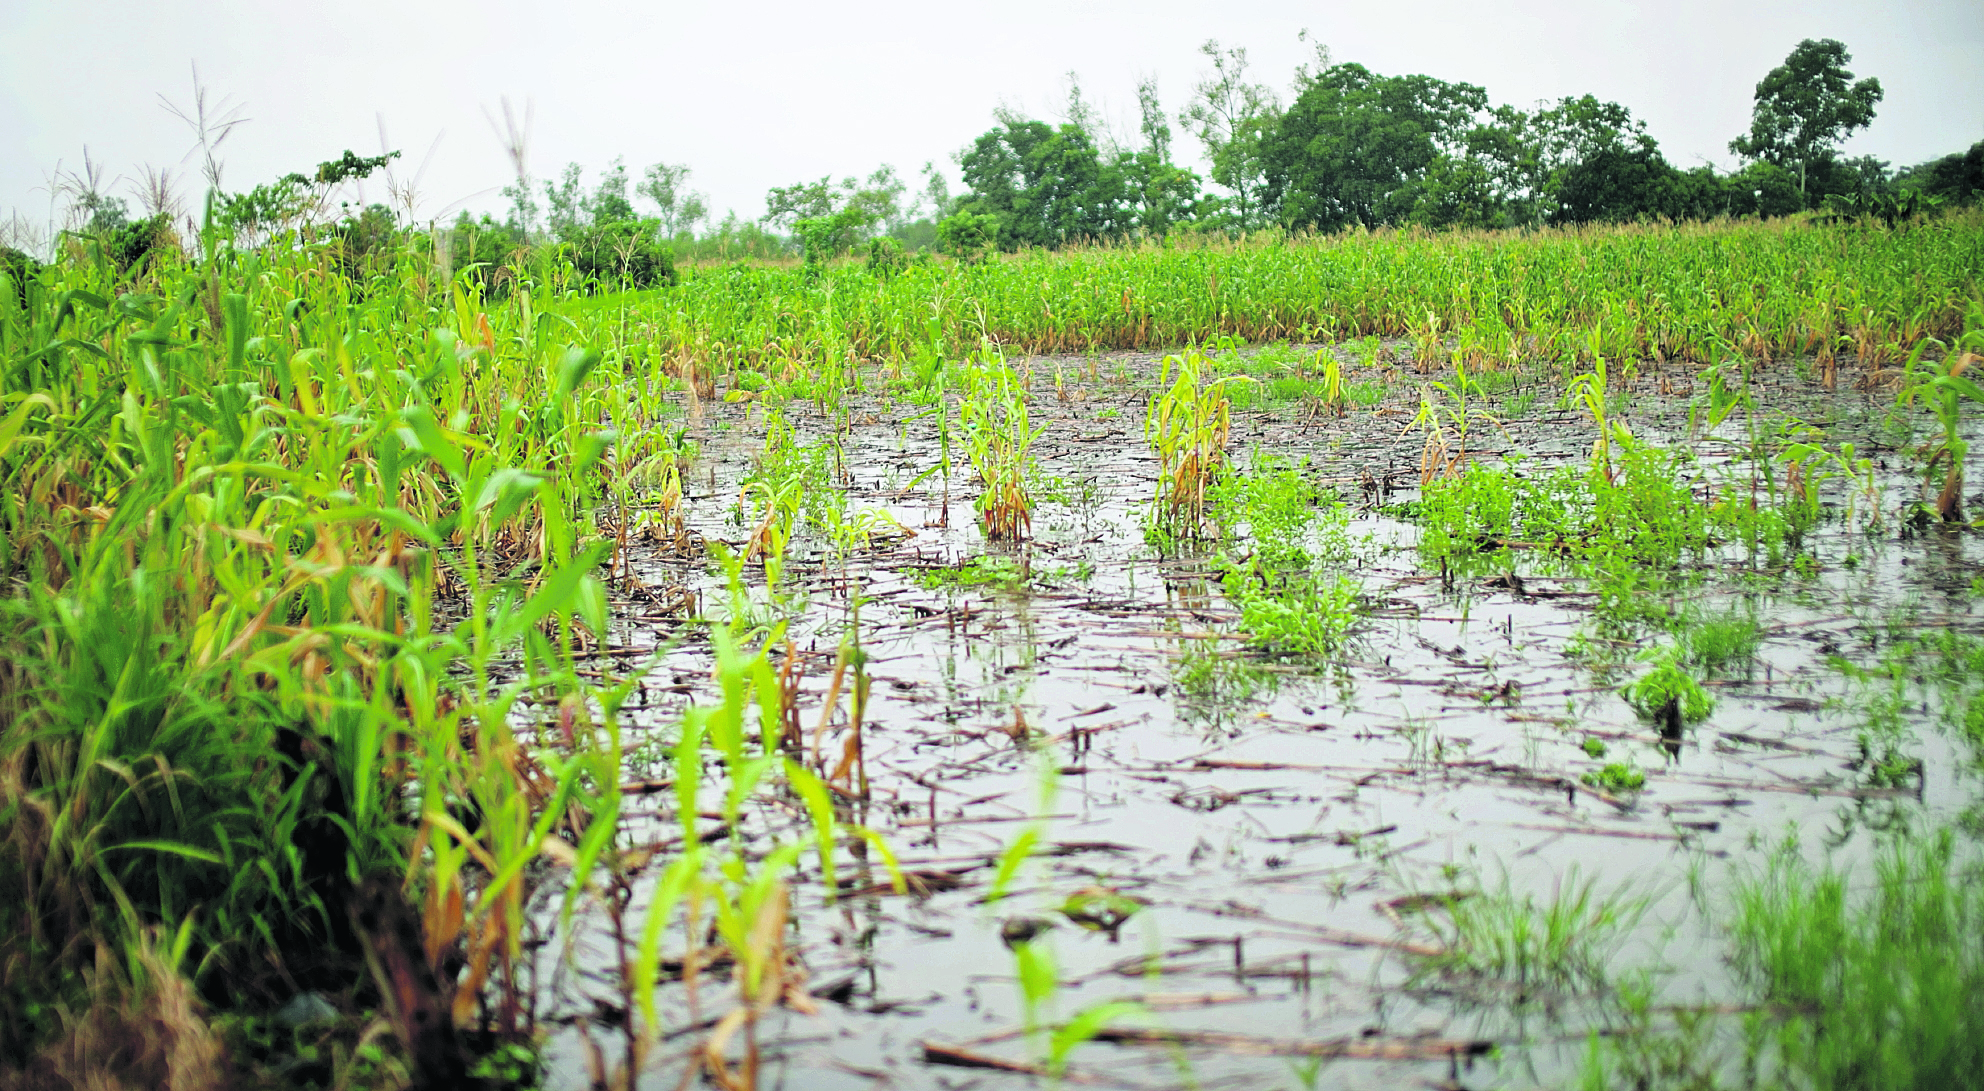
x=757, y=95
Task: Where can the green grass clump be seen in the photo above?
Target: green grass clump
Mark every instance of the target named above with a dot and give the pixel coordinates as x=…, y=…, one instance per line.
x=1615, y=778
x=1869, y=986
x=1564, y=943
x=1718, y=642
x=1302, y=616
x=1667, y=692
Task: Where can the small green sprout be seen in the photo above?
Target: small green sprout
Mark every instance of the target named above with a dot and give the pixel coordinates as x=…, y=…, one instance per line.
x=1616, y=777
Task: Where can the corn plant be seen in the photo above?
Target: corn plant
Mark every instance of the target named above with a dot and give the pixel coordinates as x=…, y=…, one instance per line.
x=992, y=414
x=1447, y=418
x=1187, y=425
x=1944, y=388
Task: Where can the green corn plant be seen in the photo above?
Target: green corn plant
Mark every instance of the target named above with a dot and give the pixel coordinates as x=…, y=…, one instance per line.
x=1446, y=421
x=1187, y=424
x=1944, y=388
x=992, y=413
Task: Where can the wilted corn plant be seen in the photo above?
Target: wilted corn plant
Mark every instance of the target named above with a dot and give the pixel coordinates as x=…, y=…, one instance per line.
x=1446, y=414
x=992, y=413
x=1187, y=425
x=1944, y=388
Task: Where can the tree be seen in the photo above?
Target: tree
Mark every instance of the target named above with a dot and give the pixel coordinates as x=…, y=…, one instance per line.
x=665, y=185
x=828, y=219
x=608, y=203
x=1047, y=185
x=1356, y=147
x=564, y=201
x=1233, y=118
x=1805, y=108
x=1957, y=178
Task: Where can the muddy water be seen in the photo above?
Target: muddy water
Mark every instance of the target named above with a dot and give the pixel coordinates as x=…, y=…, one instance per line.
x=1270, y=815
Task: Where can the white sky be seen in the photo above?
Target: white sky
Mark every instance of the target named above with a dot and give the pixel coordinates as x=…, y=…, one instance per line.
x=756, y=95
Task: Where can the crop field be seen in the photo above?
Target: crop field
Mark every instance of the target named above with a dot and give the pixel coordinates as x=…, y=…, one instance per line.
x=1498, y=660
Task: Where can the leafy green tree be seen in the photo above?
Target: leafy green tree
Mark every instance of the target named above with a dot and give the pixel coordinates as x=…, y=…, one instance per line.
x=1047, y=185
x=968, y=236
x=294, y=198
x=366, y=243
x=1233, y=118
x=1612, y=185
x=1356, y=147
x=1957, y=178
x=829, y=220
x=1805, y=108
x=609, y=202
x=1764, y=190
x=1165, y=193
x=565, y=204
x=666, y=185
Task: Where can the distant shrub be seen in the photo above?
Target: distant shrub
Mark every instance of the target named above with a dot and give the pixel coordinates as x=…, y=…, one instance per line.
x=968, y=236
x=486, y=252
x=135, y=244
x=624, y=253
x=886, y=257
x=366, y=243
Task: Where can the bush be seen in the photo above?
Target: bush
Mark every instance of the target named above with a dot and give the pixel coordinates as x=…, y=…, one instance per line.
x=366, y=243
x=625, y=253
x=968, y=236
x=488, y=252
x=886, y=257
x=130, y=246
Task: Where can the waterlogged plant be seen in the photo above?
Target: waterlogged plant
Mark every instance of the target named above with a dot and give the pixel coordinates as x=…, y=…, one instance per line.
x=1301, y=614
x=992, y=414
x=1591, y=390
x=1868, y=987
x=1616, y=778
x=1944, y=388
x=1446, y=413
x=1563, y=943
x=1187, y=425
x=1715, y=642
x=1668, y=694
x=1287, y=520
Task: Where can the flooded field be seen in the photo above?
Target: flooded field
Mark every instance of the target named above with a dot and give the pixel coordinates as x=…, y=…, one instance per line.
x=1452, y=844
x=1498, y=660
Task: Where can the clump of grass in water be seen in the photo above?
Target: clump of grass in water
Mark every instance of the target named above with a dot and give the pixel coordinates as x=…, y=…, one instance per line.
x=1716, y=642
x=1563, y=944
x=1875, y=990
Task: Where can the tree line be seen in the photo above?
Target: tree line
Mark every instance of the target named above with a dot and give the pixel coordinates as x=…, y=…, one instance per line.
x=1348, y=148
x=1357, y=148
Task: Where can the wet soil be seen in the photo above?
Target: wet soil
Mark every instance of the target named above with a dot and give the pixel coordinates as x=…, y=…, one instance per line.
x=1280, y=821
